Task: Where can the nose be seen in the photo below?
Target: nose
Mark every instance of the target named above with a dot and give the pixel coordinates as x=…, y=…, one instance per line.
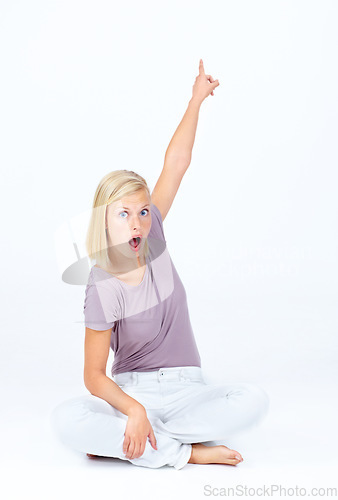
x=135, y=224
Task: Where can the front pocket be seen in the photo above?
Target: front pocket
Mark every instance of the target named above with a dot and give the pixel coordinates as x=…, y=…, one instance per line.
x=193, y=381
x=148, y=396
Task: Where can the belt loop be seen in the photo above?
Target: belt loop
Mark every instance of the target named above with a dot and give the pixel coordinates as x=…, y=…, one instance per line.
x=135, y=378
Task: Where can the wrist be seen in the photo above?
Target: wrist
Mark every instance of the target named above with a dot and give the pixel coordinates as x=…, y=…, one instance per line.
x=135, y=408
x=195, y=101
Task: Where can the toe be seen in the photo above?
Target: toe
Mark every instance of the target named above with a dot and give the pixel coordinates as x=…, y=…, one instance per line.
x=236, y=455
x=232, y=461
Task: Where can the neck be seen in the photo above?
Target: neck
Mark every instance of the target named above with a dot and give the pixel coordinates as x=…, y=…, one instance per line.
x=120, y=265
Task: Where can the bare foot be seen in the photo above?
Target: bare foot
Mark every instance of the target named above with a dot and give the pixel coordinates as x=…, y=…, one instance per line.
x=221, y=454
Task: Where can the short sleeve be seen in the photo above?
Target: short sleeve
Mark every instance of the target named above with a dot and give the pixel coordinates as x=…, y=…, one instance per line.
x=100, y=309
x=156, y=229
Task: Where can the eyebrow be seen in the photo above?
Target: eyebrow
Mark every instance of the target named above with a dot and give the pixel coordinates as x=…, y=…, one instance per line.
x=147, y=205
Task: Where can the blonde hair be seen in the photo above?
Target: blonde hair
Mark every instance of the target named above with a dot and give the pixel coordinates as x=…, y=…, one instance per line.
x=112, y=187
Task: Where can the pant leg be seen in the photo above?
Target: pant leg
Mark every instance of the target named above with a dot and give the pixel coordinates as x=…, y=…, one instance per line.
x=91, y=425
x=197, y=412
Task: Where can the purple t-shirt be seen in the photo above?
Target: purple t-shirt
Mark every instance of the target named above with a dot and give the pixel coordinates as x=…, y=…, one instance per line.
x=150, y=322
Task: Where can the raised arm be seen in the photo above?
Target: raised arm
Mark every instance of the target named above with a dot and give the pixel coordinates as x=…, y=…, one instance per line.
x=178, y=154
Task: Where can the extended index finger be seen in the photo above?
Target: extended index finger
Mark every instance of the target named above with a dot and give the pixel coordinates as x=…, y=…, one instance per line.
x=201, y=67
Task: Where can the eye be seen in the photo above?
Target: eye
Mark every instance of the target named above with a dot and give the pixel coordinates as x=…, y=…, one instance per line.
x=125, y=212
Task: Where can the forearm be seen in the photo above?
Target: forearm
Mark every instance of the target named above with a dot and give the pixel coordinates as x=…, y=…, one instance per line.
x=105, y=388
x=183, y=139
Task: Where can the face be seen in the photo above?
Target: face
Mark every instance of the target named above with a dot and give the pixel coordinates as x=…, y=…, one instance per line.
x=125, y=219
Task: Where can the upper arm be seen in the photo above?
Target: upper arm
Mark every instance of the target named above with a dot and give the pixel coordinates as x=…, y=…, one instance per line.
x=97, y=344
x=167, y=184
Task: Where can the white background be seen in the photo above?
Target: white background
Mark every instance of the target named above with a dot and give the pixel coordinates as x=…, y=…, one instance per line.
x=90, y=87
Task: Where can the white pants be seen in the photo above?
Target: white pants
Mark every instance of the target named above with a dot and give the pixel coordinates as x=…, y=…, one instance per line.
x=181, y=407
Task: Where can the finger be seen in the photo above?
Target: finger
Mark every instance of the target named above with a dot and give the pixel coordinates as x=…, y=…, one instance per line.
x=153, y=440
x=201, y=68
x=126, y=443
x=211, y=80
x=127, y=452
x=215, y=84
x=131, y=450
x=128, y=448
x=138, y=451
x=133, y=453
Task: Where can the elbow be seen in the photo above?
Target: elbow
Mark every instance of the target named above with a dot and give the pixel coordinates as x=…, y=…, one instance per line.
x=90, y=381
x=180, y=161
x=87, y=384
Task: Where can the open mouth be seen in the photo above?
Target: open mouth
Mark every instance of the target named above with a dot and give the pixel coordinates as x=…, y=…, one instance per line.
x=135, y=243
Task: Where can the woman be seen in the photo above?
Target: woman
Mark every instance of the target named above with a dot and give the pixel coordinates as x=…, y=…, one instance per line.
x=135, y=304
